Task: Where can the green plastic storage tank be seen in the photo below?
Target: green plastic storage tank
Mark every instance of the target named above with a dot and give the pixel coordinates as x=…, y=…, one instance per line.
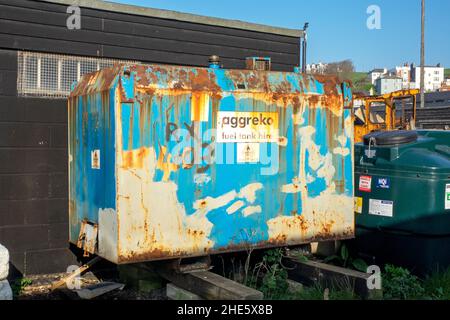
x=402, y=198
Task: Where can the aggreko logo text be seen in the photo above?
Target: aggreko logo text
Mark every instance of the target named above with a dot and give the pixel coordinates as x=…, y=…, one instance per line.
x=243, y=121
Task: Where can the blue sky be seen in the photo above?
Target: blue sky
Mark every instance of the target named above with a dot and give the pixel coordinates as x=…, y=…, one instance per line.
x=338, y=28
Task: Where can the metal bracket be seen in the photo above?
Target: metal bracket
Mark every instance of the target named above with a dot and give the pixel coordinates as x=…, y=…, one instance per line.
x=190, y=264
x=87, y=239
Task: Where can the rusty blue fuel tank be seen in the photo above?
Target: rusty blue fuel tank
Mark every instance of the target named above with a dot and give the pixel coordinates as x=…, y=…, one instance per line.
x=171, y=162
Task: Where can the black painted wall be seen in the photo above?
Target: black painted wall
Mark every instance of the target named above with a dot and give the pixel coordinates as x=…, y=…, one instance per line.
x=33, y=177
x=41, y=26
x=33, y=131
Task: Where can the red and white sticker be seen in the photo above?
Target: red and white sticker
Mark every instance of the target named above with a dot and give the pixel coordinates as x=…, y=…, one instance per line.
x=365, y=183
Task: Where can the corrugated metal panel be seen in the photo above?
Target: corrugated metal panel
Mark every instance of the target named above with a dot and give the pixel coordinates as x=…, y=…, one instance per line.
x=281, y=170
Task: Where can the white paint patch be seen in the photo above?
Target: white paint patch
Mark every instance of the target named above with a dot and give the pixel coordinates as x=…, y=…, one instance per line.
x=251, y=210
x=298, y=119
x=329, y=215
x=210, y=203
x=341, y=151
x=291, y=188
x=151, y=217
x=235, y=206
x=327, y=170
x=315, y=158
x=348, y=127
x=306, y=132
x=342, y=139
x=201, y=178
x=107, y=234
x=249, y=191
x=323, y=165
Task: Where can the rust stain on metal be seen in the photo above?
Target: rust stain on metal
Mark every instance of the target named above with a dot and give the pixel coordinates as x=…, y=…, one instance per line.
x=134, y=158
x=165, y=164
x=199, y=106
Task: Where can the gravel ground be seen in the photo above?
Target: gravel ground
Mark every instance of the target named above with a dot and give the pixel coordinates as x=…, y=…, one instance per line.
x=40, y=289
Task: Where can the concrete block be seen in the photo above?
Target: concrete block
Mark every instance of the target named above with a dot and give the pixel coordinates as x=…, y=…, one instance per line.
x=294, y=286
x=4, y=262
x=5, y=290
x=175, y=293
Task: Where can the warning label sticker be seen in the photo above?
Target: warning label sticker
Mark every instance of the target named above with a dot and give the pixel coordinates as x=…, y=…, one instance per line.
x=447, y=197
x=247, y=152
x=381, y=207
x=358, y=204
x=247, y=126
x=95, y=159
x=365, y=183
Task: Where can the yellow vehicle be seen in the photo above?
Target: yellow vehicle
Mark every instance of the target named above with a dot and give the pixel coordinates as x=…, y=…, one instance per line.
x=379, y=113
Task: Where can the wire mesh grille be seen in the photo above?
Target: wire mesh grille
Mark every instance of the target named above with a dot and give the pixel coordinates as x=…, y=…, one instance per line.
x=52, y=75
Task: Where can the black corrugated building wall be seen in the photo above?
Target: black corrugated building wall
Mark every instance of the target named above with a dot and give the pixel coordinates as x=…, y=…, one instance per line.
x=33, y=114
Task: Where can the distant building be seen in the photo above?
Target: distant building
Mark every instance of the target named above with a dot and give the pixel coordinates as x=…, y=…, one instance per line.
x=316, y=68
x=445, y=85
x=434, y=77
x=376, y=74
x=388, y=84
x=404, y=72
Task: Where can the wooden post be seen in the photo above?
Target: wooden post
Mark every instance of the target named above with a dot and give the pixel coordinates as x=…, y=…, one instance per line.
x=422, y=58
x=76, y=273
x=210, y=286
x=326, y=275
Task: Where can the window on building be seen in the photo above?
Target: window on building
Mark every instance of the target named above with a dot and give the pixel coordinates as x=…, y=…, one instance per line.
x=52, y=75
x=377, y=113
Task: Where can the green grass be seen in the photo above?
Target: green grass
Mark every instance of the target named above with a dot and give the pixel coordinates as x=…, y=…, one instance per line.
x=270, y=276
x=19, y=284
x=361, y=81
x=359, y=76
x=437, y=286
x=399, y=283
x=317, y=292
